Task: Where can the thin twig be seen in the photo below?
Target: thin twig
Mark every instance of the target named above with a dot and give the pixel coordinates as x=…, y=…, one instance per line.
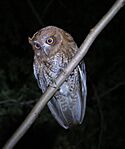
x=51, y=90
x=111, y=89
x=101, y=116
x=44, y=12
x=14, y=101
x=35, y=12
x=8, y=101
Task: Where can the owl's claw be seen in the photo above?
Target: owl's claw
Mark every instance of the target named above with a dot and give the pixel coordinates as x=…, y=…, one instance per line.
x=53, y=84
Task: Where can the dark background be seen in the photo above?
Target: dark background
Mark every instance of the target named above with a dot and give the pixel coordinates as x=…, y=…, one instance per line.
x=103, y=126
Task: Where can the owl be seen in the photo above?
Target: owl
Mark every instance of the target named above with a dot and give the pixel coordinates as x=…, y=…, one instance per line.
x=53, y=50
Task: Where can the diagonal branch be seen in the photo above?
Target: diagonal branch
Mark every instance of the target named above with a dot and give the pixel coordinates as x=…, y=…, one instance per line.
x=51, y=90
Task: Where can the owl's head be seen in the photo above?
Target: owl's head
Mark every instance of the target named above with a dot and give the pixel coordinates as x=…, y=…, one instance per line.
x=49, y=40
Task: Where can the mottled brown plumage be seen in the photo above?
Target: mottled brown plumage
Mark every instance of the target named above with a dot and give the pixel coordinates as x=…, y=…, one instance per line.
x=53, y=49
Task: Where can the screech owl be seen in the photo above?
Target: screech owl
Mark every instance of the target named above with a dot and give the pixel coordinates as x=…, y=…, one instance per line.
x=53, y=49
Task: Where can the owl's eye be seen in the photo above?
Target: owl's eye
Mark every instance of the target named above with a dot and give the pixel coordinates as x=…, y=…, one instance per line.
x=37, y=45
x=50, y=40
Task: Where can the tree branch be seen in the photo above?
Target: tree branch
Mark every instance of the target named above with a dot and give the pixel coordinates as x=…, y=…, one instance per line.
x=51, y=90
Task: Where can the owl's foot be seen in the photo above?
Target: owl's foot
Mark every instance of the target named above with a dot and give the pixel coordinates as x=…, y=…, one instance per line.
x=53, y=84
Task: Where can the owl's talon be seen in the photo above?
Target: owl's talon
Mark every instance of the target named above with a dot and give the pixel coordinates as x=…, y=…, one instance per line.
x=53, y=84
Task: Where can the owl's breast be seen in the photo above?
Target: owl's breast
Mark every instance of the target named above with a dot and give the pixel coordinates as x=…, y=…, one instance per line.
x=50, y=70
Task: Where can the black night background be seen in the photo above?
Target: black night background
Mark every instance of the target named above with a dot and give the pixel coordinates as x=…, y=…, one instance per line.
x=104, y=123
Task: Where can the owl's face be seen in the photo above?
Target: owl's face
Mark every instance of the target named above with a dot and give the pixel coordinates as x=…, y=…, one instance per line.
x=49, y=40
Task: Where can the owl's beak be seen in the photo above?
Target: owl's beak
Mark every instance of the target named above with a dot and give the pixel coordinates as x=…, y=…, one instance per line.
x=46, y=51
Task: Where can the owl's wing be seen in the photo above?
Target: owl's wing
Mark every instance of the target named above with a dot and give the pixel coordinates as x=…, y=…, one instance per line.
x=68, y=107
x=82, y=89
x=57, y=113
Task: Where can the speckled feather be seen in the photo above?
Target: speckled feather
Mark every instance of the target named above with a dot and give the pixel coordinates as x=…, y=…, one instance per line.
x=69, y=102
